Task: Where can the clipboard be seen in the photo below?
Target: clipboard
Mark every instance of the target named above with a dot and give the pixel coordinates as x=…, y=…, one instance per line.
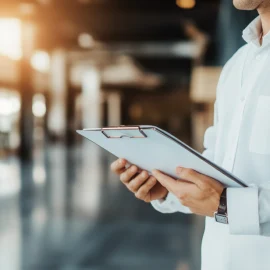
x=150, y=147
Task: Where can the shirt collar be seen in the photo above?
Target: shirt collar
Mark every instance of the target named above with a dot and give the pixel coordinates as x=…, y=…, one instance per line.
x=252, y=33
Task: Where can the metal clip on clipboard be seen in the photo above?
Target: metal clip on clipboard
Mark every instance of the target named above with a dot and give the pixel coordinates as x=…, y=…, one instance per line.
x=123, y=132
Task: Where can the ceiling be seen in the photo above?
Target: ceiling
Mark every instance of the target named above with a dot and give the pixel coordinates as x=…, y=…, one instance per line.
x=61, y=21
x=126, y=22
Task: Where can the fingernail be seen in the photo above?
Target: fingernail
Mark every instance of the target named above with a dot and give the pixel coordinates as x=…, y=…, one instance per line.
x=179, y=169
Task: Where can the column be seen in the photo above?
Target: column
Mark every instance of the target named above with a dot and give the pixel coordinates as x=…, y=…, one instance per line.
x=58, y=94
x=114, y=108
x=70, y=113
x=26, y=91
x=91, y=99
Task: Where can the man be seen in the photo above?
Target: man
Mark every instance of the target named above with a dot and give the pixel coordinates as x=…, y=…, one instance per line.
x=239, y=141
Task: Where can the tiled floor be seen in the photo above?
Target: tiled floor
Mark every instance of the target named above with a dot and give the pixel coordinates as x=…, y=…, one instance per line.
x=67, y=211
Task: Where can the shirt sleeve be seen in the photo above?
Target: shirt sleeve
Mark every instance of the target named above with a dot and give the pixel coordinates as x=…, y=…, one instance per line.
x=170, y=205
x=210, y=136
x=249, y=210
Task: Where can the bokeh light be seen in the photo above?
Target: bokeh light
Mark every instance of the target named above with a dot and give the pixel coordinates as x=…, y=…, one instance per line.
x=186, y=4
x=85, y=40
x=40, y=61
x=10, y=38
x=39, y=106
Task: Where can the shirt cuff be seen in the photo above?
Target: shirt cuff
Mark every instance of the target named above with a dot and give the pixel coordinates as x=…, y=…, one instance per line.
x=170, y=205
x=243, y=211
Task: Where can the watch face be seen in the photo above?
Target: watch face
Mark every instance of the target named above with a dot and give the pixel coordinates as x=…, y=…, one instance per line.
x=221, y=218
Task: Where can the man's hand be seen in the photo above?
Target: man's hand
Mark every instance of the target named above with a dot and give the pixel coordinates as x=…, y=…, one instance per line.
x=200, y=193
x=144, y=186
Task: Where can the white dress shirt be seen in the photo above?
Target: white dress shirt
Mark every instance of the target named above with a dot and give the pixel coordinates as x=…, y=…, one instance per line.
x=239, y=141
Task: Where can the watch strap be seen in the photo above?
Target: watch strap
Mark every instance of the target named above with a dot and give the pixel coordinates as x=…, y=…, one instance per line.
x=221, y=214
x=222, y=208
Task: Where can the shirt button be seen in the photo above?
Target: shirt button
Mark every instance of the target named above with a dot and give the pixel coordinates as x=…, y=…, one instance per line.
x=242, y=99
x=258, y=57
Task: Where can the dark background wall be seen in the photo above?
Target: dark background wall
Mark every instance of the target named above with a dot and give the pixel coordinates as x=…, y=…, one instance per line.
x=231, y=23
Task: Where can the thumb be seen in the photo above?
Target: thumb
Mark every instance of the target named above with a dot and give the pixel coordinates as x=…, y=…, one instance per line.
x=166, y=181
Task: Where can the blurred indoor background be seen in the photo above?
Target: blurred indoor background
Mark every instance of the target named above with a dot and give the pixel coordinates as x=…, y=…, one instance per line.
x=71, y=64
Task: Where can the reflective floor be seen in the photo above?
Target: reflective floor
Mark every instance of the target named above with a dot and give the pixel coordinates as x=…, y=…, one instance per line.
x=67, y=211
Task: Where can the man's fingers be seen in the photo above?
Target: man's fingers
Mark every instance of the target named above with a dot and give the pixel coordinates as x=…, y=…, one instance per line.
x=138, y=181
x=165, y=180
x=118, y=166
x=202, y=181
x=128, y=174
x=143, y=192
x=189, y=175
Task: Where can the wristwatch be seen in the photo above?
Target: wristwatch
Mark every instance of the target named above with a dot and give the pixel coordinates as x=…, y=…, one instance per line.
x=221, y=214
